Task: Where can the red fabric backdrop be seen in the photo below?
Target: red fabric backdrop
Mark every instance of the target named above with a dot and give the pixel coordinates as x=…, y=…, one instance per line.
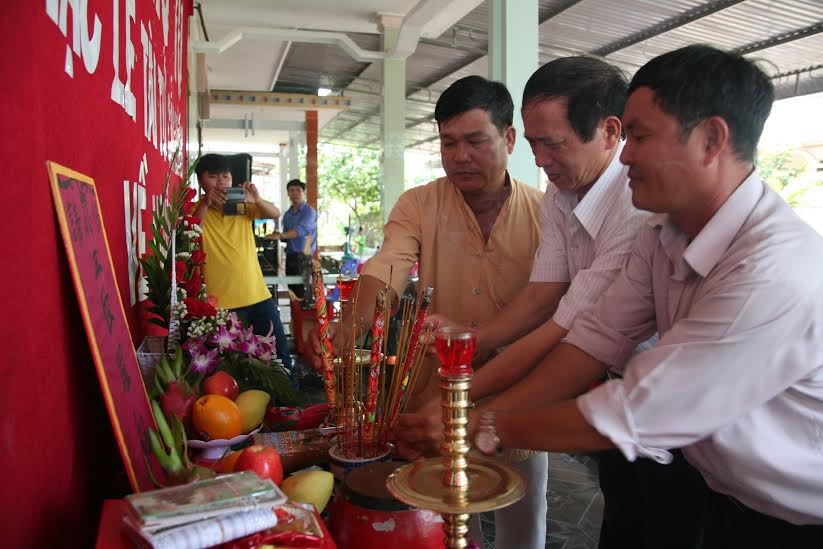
x=58, y=458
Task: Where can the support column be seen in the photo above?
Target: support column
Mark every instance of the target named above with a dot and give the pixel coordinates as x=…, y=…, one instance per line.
x=513, y=57
x=392, y=116
x=311, y=161
x=285, y=204
x=294, y=150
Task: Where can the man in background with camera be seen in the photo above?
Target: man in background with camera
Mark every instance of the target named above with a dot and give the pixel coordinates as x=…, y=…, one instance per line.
x=299, y=232
x=232, y=271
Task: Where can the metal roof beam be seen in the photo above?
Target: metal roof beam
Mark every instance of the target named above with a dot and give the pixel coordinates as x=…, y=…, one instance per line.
x=779, y=39
x=277, y=99
x=252, y=124
x=665, y=26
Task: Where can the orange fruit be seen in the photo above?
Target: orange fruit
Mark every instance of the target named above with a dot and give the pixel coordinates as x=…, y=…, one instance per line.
x=215, y=416
x=226, y=463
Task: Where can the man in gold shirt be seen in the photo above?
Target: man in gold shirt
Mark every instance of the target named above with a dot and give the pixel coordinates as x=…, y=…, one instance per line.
x=474, y=233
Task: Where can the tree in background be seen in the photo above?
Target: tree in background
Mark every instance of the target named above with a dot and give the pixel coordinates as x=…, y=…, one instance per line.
x=349, y=177
x=780, y=171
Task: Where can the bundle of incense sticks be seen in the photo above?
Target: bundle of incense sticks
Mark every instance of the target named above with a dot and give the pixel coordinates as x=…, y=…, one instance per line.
x=370, y=407
x=326, y=350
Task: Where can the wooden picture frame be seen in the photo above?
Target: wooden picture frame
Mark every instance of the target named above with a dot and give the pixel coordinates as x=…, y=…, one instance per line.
x=84, y=236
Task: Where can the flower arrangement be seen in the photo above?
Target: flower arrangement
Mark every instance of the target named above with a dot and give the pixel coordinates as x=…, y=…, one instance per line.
x=207, y=339
x=223, y=342
x=174, y=219
x=212, y=337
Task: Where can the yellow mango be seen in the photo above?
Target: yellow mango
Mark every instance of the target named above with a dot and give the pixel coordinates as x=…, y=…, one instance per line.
x=252, y=404
x=313, y=486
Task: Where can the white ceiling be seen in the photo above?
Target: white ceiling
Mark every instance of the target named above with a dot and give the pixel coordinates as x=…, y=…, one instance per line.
x=248, y=45
x=300, y=45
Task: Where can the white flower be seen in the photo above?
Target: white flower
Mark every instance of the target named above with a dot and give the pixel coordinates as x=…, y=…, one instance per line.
x=182, y=256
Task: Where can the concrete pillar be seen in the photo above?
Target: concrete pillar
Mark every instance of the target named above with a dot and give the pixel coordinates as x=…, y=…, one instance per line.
x=312, y=130
x=284, y=202
x=294, y=150
x=513, y=57
x=311, y=158
x=392, y=116
x=284, y=178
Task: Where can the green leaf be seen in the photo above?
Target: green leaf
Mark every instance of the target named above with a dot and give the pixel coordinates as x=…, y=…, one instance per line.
x=252, y=373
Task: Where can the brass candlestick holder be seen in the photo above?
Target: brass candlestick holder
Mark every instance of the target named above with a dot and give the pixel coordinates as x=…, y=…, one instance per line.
x=453, y=484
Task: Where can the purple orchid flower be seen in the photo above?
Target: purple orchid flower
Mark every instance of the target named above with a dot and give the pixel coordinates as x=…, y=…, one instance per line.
x=222, y=337
x=195, y=345
x=235, y=326
x=254, y=348
x=204, y=363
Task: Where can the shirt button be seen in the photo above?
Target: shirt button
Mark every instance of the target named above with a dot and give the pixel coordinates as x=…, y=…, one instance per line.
x=476, y=291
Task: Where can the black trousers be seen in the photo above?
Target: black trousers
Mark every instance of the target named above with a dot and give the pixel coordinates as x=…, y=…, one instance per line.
x=294, y=266
x=654, y=506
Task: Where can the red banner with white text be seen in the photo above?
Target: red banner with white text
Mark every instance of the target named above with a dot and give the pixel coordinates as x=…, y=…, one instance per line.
x=100, y=87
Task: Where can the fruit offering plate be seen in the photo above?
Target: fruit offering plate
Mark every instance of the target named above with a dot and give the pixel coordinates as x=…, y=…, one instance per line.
x=217, y=448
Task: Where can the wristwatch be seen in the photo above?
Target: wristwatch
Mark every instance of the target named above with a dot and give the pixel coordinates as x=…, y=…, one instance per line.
x=485, y=438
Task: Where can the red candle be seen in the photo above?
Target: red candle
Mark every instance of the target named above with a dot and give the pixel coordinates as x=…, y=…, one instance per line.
x=346, y=284
x=455, y=347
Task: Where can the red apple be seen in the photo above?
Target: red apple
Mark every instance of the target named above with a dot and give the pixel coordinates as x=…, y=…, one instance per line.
x=263, y=460
x=221, y=383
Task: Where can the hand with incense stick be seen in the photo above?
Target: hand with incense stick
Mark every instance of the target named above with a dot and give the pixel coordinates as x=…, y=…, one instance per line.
x=409, y=356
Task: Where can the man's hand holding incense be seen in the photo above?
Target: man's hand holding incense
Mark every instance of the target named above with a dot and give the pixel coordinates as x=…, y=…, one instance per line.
x=340, y=339
x=420, y=434
x=314, y=353
x=433, y=323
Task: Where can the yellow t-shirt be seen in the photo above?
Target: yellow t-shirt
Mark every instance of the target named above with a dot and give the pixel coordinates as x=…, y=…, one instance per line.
x=232, y=271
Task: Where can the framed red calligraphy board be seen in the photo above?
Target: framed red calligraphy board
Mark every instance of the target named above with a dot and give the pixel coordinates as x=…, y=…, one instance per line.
x=84, y=236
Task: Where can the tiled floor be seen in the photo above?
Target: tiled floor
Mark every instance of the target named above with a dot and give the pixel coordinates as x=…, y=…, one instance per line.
x=575, y=501
x=575, y=505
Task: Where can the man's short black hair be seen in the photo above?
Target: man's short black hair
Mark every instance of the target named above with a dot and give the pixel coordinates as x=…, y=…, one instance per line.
x=476, y=92
x=296, y=183
x=592, y=90
x=699, y=81
x=212, y=163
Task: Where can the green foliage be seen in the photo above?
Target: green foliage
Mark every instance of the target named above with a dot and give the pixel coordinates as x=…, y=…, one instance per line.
x=777, y=170
x=351, y=177
x=253, y=373
x=155, y=263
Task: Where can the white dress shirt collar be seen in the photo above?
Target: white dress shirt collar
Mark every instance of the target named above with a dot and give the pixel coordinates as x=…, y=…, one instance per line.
x=707, y=248
x=593, y=209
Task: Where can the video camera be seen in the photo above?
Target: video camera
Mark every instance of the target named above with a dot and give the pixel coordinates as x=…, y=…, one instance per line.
x=236, y=195
x=235, y=201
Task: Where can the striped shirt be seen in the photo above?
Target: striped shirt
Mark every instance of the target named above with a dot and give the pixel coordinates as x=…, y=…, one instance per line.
x=586, y=242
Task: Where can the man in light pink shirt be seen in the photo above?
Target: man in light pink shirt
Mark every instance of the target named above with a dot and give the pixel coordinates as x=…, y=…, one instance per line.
x=730, y=278
x=571, y=113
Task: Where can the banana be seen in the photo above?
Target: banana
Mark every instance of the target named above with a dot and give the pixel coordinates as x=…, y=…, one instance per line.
x=158, y=450
x=163, y=369
x=178, y=362
x=162, y=424
x=172, y=456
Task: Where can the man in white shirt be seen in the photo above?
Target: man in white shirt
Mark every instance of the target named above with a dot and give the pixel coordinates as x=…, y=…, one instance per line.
x=571, y=114
x=730, y=278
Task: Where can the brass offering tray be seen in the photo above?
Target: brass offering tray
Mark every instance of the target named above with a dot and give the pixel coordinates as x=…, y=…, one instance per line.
x=492, y=485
